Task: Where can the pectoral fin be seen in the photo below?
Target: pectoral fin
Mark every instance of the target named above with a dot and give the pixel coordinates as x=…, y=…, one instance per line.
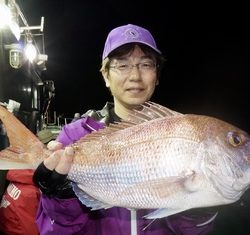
x=165, y=187
x=192, y=182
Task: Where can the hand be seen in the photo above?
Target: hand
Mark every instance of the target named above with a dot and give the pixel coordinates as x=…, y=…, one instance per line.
x=60, y=160
x=51, y=175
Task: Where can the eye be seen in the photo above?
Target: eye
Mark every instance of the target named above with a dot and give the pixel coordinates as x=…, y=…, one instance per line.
x=235, y=139
x=122, y=66
x=147, y=65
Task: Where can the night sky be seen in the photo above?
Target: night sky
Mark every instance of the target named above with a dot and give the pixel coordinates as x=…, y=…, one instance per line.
x=205, y=44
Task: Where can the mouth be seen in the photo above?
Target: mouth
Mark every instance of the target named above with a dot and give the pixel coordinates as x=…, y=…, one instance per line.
x=135, y=90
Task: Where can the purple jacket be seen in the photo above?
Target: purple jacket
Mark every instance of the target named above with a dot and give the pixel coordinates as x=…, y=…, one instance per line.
x=69, y=216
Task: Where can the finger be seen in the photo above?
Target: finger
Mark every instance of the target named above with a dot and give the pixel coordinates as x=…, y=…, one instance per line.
x=53, y=160
x=65, y=162
x=54, y=145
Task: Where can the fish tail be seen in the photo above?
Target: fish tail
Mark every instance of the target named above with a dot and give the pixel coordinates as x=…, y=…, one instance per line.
x=21, y=142
x=10, y=159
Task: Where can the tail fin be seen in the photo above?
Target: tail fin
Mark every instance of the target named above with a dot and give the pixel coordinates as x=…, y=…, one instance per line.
x=21, y=140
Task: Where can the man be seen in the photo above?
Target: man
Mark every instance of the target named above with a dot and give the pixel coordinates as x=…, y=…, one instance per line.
x=131, y=67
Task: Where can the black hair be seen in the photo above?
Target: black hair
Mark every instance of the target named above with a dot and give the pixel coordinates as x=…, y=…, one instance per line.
x=148, y=51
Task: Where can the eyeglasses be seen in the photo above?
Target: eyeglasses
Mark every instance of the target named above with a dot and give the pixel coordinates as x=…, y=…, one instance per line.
x=126, y=68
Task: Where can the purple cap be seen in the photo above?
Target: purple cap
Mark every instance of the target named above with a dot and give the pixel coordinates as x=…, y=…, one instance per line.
x=127, y=34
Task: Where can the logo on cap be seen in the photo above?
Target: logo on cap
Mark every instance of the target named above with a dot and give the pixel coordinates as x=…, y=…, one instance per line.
x=131, y=34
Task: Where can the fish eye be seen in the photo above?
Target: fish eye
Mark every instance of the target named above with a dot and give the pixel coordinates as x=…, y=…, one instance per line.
x=234, y=139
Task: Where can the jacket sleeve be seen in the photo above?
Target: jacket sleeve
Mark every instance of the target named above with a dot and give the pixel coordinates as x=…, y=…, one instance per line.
x=54, y=214
x=75, y=130
x=61, y=216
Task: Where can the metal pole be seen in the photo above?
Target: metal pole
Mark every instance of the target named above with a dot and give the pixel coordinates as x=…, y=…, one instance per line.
x=2, y=67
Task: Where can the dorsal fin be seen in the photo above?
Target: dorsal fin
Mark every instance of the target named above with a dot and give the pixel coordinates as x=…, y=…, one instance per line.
x=148, y=111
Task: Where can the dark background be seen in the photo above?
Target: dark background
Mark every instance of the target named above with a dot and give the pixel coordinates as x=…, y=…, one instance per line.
x=206, y=45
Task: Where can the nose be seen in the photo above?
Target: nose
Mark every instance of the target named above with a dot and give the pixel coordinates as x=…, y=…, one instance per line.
x=135, y=73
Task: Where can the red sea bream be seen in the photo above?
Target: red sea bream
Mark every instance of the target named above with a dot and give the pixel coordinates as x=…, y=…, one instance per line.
x=158, y=159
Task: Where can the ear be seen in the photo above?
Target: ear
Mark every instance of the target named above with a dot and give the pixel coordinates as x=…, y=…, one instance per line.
x=105, y=77
x=157, y=82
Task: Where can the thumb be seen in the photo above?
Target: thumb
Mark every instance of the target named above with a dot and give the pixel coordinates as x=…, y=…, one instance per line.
x=53, y=160
x=65, y=162
x=54, y=145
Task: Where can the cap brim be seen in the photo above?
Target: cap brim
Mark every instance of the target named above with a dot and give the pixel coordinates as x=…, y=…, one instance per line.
x=128, y=42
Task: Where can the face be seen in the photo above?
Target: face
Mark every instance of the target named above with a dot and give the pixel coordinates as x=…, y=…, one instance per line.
x=131, y=85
